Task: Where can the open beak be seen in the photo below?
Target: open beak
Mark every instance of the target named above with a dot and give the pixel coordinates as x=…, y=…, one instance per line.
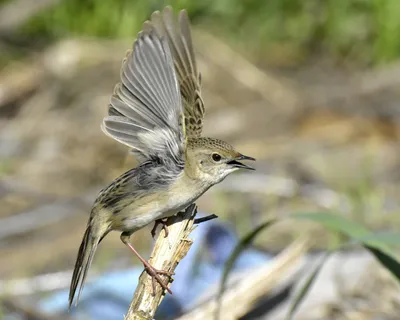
x=235, y=163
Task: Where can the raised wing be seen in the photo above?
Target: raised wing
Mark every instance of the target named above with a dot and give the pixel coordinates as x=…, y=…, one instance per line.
x=180, y=42
x=145, y=110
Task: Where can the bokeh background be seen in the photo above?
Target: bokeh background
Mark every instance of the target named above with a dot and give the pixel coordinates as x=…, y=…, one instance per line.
x=308, y=87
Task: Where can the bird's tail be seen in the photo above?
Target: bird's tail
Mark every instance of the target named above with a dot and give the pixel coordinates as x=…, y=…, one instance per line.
x=83, y=261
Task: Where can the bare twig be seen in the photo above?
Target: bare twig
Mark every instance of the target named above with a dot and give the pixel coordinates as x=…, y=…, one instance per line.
x=166, y=255
x=206, y=218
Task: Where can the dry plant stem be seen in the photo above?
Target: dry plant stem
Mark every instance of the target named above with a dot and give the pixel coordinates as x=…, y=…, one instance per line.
x=278, y=92
x=166, y=255
x=241, y=297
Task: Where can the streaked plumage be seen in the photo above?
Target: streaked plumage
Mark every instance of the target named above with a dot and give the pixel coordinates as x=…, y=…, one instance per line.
x=156, y=110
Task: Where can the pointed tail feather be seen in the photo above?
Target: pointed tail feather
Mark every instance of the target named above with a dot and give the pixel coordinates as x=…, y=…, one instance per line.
x=83, y=261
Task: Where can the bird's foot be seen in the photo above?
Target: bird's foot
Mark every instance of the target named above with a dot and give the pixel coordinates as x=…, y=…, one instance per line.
x=151, y=271
x=164, y=227
x=155, y=277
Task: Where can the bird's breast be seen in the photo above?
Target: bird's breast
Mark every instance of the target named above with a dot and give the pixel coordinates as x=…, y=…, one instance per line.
x=184, y=192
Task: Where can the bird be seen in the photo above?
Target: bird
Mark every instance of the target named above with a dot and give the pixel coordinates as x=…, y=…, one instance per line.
x=156, y=110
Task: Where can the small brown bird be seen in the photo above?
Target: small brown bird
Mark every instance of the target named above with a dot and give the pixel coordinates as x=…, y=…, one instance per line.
x=156, y=110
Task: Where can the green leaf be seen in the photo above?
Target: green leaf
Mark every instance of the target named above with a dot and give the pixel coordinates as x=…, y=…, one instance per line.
x=378, y=244
x=388, y=238
x=336, y=223
x=391, y=264
x=242, y=245
x=347, y=227
x=306, y=288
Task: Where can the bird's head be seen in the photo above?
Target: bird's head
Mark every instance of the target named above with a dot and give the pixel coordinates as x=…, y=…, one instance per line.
x=214, y=159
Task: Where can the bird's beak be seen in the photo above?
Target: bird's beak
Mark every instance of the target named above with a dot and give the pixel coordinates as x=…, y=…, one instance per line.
x=235, y=163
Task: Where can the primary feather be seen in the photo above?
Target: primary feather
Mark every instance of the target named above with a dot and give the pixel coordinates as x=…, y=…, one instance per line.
x=179, y=40
x=145, y=110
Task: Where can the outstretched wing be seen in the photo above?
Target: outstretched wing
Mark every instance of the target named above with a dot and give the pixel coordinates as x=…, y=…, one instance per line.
x=180, y=42
x=145, y=111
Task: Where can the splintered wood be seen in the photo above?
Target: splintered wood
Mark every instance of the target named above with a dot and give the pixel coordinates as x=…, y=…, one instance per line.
x=167, y=253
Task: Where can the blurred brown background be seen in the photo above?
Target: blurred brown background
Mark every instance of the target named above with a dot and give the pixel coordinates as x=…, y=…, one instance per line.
x=309, y=88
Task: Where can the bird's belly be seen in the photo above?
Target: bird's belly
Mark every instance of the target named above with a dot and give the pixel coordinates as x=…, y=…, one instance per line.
x=135, y=217
x=139, y=215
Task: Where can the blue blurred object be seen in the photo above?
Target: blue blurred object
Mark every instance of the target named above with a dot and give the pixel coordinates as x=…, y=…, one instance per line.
x=108, y=297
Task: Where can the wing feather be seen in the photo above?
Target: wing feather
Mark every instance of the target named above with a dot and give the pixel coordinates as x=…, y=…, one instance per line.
x=178, y=34
x=145, y=109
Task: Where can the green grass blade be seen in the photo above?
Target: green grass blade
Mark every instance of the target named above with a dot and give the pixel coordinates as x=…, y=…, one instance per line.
x=391, y=239
x=335, y=222
x=351, y=229
x=390, y=263
x=242, y=245
x=380, y=245
x=306, y=288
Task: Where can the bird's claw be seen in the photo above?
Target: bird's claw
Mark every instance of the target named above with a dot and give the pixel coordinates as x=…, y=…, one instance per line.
x=155, y=276
x=164, y=227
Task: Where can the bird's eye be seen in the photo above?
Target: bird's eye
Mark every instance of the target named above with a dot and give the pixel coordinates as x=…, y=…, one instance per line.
x=216, y=157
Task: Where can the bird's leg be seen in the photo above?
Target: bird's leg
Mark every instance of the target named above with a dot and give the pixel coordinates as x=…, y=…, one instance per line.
x=164, y=227
x=151, y=271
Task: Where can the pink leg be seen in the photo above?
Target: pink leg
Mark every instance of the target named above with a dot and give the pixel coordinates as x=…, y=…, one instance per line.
x=151, y=271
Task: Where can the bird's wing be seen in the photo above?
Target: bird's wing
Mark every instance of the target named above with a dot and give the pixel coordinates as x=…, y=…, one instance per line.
x=145, y=111
x=179, y=39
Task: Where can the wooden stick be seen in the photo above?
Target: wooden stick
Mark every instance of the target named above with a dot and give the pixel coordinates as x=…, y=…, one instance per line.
x=166, y=255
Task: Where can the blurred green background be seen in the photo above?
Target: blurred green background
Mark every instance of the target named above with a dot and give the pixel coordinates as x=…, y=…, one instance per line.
x=364, y=31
